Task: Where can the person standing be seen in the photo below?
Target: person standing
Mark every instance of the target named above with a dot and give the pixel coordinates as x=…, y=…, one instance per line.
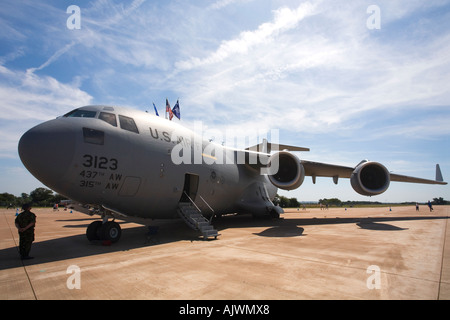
x=25, y=223
x=430, y=206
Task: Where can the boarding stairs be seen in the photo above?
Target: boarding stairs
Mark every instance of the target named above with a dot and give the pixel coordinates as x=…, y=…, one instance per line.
x=194, y=218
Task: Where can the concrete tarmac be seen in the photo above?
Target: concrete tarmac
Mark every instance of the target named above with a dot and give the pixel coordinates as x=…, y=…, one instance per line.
x=368, y=253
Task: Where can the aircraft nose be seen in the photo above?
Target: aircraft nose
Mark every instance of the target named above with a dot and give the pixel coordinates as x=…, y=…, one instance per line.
x=47, y=151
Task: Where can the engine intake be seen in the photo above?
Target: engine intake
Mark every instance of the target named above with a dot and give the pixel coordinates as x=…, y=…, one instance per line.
x=370, y=178
x=286, y=171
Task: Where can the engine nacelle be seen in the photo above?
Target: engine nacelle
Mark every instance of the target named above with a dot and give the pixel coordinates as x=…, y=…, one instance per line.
x=285, y=170
x=370, y=178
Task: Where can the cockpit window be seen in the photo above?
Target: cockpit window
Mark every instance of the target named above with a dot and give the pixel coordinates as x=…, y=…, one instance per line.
x=128, y=123
x=108, y=117
x=93, y=136
x=77, y=113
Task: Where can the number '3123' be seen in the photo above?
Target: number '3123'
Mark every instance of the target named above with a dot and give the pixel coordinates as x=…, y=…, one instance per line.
x=100, y=162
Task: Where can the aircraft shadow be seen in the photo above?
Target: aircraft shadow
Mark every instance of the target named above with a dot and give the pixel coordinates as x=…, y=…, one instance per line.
x=370, y=225
x=77, y=246
x=281, y=232
x=169, y=231
x=293, y=227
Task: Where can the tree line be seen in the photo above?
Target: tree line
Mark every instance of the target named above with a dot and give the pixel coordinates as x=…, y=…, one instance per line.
x=286, y=202
x=40, y=197
x=43, y=197
x=338, y=203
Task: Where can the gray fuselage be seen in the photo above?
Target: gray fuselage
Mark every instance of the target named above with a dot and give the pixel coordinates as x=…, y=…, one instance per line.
x=140, y=165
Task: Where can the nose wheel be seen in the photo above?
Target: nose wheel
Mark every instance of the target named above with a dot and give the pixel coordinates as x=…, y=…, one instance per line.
x=109, y=231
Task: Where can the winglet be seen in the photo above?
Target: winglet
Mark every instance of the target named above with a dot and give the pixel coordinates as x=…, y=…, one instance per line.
x=439, y=174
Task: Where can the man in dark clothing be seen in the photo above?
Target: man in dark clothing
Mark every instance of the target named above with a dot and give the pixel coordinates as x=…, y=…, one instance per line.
x=430, y=206
x=25, y=223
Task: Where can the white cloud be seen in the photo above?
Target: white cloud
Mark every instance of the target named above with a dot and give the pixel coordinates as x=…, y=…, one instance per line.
x=224, y=3
x=53, y=58
x=284, y=19
x=28, y=99
x=28, y=96
x=315, y=65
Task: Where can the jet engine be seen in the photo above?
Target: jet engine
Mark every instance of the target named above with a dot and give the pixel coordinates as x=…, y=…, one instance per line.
x=285, y=170
x=370, y=178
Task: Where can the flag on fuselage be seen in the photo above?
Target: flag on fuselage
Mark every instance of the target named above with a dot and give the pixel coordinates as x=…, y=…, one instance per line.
x=169, y=110
x=156, y=110
x=176, y=110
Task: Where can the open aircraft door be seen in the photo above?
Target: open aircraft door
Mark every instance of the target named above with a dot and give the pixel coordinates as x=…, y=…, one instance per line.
x=190, y=187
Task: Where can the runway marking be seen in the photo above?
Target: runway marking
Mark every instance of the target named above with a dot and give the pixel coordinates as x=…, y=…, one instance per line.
x=443, y=253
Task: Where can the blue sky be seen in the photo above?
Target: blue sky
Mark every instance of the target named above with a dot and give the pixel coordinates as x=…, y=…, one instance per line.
x=311, y=69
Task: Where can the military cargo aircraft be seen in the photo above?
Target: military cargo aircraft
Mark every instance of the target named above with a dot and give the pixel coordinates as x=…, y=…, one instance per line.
x=134, y=166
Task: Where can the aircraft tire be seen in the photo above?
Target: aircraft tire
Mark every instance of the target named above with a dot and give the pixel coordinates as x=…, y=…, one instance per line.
x=92, y=230
x=274, y=214
x=110, y=231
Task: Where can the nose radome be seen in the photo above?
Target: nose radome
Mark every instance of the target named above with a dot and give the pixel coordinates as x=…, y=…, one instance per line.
x=47, y=151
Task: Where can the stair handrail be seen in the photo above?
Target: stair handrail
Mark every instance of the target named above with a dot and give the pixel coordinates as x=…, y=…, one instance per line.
x=212, y=216
x=200, y=211
x=206, y=203
x=197, y=223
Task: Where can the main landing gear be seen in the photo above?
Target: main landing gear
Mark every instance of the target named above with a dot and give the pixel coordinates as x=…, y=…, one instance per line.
x=105, y=231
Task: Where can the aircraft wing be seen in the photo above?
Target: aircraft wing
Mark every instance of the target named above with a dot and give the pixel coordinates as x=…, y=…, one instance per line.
x=438, y=180
x=317, y=169
x=286, y=171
